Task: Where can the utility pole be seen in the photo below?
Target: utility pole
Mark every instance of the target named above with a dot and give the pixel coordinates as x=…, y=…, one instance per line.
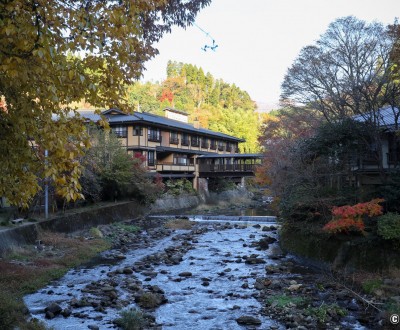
x=46, y=189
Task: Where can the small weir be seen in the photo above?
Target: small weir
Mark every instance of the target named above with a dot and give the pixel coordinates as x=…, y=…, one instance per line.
x=220, y=218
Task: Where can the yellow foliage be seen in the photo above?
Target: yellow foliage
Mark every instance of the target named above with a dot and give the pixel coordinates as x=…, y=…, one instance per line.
x=53, y=53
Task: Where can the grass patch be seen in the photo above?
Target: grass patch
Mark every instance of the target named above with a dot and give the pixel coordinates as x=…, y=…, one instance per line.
x=126, y=227
x=283, y=300
x=26, y=270
x=132, y=319
x=323, y=312
x=95, y=232
x=392, y=307
x=148, y=300
x=179, y=224
x=369, y=286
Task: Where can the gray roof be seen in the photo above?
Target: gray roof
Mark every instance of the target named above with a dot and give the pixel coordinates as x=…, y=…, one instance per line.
x=385, y=117
x=148, y=118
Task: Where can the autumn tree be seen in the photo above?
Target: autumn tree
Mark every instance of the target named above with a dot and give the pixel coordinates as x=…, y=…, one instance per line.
x=111, y=173
x=56, y=52
x=348, y=72
x=345, y=73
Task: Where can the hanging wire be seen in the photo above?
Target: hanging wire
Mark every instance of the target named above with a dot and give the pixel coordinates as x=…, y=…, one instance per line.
x=213, y=46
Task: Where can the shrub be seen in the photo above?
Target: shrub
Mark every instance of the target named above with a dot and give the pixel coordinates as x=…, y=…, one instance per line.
x=369, y=286
x=132, y=319
x=350, y=218
x=95, y=232
x=148, y=300
x=179, y=187
x=389, y=226
x=323, y=312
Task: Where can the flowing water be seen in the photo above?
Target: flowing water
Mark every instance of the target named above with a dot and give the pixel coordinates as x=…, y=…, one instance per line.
x=217, y=290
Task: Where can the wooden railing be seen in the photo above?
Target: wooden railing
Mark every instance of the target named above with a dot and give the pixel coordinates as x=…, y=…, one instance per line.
x=226, y=168
x=175, y=167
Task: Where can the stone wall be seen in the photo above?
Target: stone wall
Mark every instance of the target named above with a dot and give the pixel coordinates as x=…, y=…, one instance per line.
x=170, y=203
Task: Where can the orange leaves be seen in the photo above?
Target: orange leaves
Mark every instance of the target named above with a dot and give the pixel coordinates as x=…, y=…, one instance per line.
x=168, y=95
x=350, y=218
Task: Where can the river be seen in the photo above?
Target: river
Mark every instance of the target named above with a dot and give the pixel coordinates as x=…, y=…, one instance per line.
x=218, y=275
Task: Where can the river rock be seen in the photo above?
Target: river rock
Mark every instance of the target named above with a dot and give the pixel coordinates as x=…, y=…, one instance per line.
x=248, y=320
x=294, y=287
x=127, y=270
x=185, y=274
x=66, y=312
x=93, y=327
x=52, y=310
x=254, y=260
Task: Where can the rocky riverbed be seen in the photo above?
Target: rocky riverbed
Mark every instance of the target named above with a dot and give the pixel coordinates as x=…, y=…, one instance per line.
x=211, y=276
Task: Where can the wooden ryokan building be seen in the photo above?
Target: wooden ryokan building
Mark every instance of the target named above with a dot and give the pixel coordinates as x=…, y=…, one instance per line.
x=176, y=149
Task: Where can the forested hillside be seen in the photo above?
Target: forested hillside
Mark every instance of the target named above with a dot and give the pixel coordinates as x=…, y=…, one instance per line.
x=216, y=104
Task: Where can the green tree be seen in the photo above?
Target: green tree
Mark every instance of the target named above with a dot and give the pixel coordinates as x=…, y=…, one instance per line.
x=118, y=173
x=143, y=97
x=108, y=159
x=38, y=78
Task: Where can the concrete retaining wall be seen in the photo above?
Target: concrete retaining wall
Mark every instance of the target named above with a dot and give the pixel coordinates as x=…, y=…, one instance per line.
x=27, y=233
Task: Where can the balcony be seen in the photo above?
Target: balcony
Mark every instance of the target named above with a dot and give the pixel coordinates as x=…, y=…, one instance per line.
x=221, y=147
x=205, y=145
x=171, y=167
x=174, y=141
x=195, y=143
x=229, y=148
x=185, y=142
x=213, y=146
x=224, y=168
x=154, y=137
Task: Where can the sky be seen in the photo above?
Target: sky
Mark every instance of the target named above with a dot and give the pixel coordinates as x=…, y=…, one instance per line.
x=258, y=40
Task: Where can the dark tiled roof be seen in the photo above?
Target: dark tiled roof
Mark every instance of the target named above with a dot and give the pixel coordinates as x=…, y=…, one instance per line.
x=148, y=118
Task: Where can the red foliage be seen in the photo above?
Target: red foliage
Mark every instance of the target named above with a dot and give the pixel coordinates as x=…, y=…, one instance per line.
x=350, y=218
x=140, y=157
x=167, y=95
x=158, y=181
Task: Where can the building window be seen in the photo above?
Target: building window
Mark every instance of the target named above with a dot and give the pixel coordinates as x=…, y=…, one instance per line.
x=120, y=131
x=204, y=143
x=213, y=144
x=221, y=146
x=195, y=141
x=174, y=138
x=181, y=160
x=185, y=139
x=137, y=130
x=228, y=147
x=154, y=134
x=150, y=158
